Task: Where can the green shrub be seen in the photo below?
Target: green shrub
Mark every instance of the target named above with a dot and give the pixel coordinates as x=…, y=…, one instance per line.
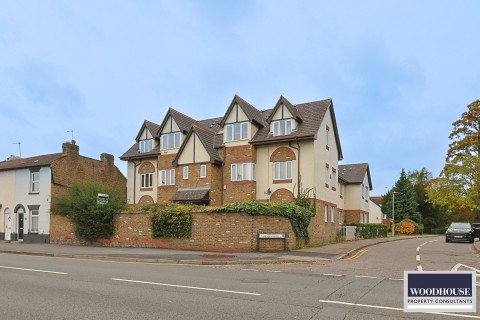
x=299, y=216
x=92, y=220
x=170, y=220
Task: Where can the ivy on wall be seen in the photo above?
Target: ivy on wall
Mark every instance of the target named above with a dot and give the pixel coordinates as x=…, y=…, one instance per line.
x=170, y=220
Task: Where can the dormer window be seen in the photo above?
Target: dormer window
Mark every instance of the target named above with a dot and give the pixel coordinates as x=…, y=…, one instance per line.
x=236, y=131
x=146, y=145
x=282, y=127
x=170, y=141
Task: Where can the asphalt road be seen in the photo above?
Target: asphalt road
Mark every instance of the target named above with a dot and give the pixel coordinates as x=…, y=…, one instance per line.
x=368, y=286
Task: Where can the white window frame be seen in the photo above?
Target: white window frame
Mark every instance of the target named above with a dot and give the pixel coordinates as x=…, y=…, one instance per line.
x=146, y=180
x=325, y=213
x=282, y=170
x=169, y=141
x=185, y=172
x=146, y=145
x=203, y=171
x=35, y=181
x=363, y=191
x=166, y=177
x=282, y=127
x=243, y=171
x=341, y=189
x=327, y=175
x=34, y=216
x=332, y=214
x=334, y=178
x=327, y=136
x=340, y=217
x=237, y=131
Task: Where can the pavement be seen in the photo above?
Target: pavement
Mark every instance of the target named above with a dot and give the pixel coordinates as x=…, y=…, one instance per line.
x=169, y=256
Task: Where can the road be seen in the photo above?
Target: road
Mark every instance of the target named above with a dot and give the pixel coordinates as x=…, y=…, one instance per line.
x=367, y=286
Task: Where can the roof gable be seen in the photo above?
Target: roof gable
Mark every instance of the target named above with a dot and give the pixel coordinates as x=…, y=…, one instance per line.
x=253, y=114
x=150, y=126
x=183, y=122
x=284, y=102
x=207, y=139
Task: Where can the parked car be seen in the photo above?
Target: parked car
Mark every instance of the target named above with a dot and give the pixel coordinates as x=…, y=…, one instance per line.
x=476, y=230
x=460, y=231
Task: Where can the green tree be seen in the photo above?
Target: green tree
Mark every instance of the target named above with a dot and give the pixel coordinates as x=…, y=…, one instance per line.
x=405, y=200
x=458, y=186
x=92, y=220
x=433, y=217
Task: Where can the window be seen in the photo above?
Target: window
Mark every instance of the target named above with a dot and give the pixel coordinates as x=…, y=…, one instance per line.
x=146, y=145
x=167, y=177
x=333, y=177
x=34, y=221
x=146, y=180
x=185, y=172
x=327, y=136
x=236, y=131
x=282, y=170
x=366, y=193
x=325, y=213
x=170, y=141
x=203, y=171
x=242, y=171
x=340, y=217
x=282, y=127
x=332, y=214
x=327, y=176
x=363, y=191
x=35, y=181
x=340, y=186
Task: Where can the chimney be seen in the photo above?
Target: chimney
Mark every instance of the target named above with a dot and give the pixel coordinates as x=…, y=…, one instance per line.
x=13, y=157
x=108, y=159
x=70, y=149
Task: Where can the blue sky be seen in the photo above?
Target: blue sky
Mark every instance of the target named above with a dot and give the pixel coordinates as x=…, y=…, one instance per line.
x=399, y=72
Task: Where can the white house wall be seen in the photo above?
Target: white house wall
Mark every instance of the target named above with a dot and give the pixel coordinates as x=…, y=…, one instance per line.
x=7, y=197
x=374, y=213
x=193, y=152
x=134, y=182
x=278, y=114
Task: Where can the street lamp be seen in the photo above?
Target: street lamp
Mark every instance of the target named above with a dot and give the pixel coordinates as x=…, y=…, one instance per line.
x=393, y=213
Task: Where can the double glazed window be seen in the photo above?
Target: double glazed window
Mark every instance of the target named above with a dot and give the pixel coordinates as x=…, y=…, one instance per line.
x=35, y=181
x=236, y=131
x=282, y=127
x=34, y=221
x=170, y=141
x=146, y=145
x=203, y=171
x=167, y=177
x=185, y=172
x=147, y=180
x=242, y=171
x=282, y=170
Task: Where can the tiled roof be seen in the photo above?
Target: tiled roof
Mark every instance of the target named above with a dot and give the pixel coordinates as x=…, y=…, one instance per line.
x=134, y=153
x=184, y=122
x=313, y=114
x=199, y=194
x=354, y=173
x=151, y=127
x=378, y=200
x=38, y=161
x=294, y=111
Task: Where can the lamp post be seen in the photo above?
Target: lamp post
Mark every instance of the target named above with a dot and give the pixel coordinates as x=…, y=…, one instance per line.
x=393, y=213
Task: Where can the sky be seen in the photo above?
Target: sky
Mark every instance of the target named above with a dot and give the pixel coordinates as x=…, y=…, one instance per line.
x=399, y=72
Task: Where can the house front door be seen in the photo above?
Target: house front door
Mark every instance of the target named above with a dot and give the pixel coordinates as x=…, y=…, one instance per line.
x=20, y=214
x=8, y=224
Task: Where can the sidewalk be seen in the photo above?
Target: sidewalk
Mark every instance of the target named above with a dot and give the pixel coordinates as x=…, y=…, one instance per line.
x=151, y=255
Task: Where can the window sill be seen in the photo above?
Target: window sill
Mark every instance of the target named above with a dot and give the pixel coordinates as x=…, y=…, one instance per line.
x=146, y=189
x=282, y=181
x=242, y=181
x=34, y=192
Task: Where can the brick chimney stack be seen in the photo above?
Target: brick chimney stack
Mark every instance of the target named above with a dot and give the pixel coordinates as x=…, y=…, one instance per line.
x=71, y=149
x=108, y=159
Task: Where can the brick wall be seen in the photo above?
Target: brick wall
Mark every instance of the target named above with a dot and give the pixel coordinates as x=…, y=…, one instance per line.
x=213, y=180
x=238, y=191
x=165, y=193
x=319, y=230
x=227, y=232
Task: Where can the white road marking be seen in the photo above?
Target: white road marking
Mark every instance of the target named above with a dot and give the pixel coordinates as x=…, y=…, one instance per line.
x=332, y=275
x=419, y=266
x=187, y=287
x=249, y=269
x=369, y=277
x=418, y=257
x=397, y=309
x=395, y=279
x=33, y=270
x=274, y=271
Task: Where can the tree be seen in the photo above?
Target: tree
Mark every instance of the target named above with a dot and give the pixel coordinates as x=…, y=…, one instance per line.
x=433, y=217
x=458, y=186
x=92, y=220
x=405, y=200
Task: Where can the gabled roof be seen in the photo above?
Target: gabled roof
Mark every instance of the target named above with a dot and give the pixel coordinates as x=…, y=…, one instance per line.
x=194, y=195
x=294, y=111
x=253, y=114
x=207, y=138
x=354, y=173
x=134, y=153
x=313, y=114
x=32, y=162
x=150, y=126
x=184, y=122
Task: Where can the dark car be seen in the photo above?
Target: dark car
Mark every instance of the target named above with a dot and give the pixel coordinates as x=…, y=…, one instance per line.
x=476, y=230
x=460, y=231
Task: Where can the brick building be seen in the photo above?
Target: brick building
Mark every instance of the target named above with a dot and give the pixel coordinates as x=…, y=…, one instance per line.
x=27, y=186
x=247, y=154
